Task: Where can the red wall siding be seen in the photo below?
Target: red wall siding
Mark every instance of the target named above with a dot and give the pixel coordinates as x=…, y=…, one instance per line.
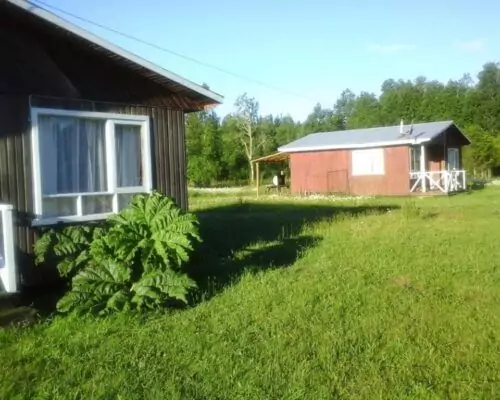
x=311, y=171
x=434, y=156
x=330, y=171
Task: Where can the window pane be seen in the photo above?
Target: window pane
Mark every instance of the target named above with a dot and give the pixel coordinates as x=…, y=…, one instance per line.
x=368, y=162
x=92, y=174
x=415, y=153
x=59, y=206
x=124, y=200
x=453, y=158
x=128, y=155
x=72, y=155
x=97, y=204
x=58, y=150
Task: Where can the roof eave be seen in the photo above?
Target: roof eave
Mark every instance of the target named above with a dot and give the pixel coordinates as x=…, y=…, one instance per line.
x=452, y=124
x=463, y=134
x=212, y=97
x=298, y=149
x=275, y=157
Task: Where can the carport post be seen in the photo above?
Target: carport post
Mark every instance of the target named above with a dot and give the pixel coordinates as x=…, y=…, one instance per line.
x=257, y=180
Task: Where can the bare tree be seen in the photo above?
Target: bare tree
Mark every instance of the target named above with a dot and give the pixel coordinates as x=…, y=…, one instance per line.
x=247, y=116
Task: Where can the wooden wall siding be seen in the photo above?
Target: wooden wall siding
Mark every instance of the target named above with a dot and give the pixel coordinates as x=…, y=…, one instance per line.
x=15, y=173
x=437, y=161
x=450, y=138
x=315, y=172
x=44, y=60
x=434, y=158
x=29, y=68
x=437, y=150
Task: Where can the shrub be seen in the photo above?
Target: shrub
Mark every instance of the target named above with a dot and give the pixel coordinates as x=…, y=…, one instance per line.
x=475, y=184
x=134, y=261
x=69, y=248
x=411, y=210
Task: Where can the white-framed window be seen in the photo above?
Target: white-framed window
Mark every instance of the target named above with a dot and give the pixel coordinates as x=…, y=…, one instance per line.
x=87, y=165
x=415, y=155
x=453, y=158
x=368, y=162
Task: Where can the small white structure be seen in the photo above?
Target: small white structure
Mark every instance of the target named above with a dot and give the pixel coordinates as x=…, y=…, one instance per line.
x=444, y=181
x=8, y=267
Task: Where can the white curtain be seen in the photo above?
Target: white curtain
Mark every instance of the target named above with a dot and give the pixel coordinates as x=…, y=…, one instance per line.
x=92, y=156
x=58, y=150
x=128, y=155
x=72, y=155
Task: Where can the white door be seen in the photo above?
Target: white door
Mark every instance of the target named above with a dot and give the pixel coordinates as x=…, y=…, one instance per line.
x=2, y=247
x=8, y=268
x=453, y=159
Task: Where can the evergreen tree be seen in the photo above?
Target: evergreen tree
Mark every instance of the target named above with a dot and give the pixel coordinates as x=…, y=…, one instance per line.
x=222, y=151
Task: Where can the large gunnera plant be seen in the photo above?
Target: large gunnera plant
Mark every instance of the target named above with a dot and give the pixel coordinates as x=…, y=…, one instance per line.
x=133, y=261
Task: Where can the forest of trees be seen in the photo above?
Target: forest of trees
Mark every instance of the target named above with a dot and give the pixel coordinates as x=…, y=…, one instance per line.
x=219, y=150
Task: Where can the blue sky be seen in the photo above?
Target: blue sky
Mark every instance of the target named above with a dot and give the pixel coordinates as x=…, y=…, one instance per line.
x=314, y=48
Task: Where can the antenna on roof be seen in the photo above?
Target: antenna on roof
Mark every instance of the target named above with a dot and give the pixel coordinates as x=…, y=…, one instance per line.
x=401, y=127
x=410, y=130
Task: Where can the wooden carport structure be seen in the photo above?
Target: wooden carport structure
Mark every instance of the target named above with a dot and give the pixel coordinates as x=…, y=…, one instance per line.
x=271, y=158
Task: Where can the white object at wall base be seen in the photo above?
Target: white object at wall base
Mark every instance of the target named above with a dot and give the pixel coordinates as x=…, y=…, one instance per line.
x=8, y=267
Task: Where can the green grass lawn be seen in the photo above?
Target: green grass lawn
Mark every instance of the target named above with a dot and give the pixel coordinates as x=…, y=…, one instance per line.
x=370, y=299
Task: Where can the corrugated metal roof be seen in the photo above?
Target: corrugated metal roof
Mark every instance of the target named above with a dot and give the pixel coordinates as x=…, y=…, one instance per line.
x=369, y=137
x=144, y=67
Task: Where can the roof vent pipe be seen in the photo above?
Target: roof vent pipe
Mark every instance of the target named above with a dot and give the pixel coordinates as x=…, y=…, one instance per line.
x=401, y=127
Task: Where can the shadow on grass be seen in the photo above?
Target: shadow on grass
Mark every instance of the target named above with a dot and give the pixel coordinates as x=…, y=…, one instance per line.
x=238, y=238
x=31, y=305
x=253, y=237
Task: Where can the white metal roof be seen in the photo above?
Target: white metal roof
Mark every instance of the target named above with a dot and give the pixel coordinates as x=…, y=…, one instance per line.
x=368, y=137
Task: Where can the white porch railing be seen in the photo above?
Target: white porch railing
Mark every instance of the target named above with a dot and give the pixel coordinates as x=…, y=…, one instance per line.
x=8, y=267
x=445, y=181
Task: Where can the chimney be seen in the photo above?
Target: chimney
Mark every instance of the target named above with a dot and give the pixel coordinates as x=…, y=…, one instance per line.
x=401, y=127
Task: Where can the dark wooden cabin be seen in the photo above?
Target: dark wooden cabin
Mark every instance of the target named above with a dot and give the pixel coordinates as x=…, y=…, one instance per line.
x=84, y=124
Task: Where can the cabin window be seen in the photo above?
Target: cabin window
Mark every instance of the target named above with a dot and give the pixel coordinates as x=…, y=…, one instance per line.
x=415, y=154
x=87, y=165
x=453, y=158
x=368, y=162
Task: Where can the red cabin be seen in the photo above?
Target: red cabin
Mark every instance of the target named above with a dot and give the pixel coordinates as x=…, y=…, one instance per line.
x=392, y=160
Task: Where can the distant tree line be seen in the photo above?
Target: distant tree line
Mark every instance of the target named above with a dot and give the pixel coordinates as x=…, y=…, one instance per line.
x=219, y=150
